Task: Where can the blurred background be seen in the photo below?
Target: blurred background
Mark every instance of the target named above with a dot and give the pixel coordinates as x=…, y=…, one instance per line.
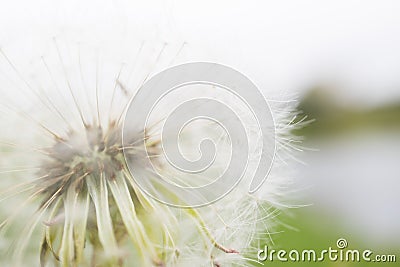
x=340, y=59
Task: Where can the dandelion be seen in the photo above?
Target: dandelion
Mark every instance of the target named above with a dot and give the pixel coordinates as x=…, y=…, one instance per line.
x=68, y=198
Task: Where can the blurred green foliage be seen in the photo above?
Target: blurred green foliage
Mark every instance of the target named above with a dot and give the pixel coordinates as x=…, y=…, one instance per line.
x=332, y=117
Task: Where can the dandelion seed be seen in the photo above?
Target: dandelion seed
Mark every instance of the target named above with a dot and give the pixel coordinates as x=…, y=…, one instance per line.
x=80, y=199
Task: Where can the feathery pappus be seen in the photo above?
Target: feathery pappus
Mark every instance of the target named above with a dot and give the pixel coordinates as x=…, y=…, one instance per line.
x=67, y=197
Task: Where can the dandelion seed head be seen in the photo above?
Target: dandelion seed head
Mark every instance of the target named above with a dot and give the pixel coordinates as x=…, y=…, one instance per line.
x=79, y=200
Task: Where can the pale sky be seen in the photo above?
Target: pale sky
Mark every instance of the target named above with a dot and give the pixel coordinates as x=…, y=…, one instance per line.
x=284, y=46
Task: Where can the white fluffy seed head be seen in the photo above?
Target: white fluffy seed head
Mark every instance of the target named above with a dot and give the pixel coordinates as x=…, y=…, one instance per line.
x=71, y=188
